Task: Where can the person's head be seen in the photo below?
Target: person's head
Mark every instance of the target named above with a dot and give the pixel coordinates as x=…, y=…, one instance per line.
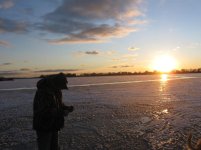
x=60, y=82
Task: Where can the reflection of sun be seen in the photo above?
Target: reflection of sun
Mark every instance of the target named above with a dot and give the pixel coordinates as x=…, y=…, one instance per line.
x=164, y=77
x=165, y=111
x=164, y=63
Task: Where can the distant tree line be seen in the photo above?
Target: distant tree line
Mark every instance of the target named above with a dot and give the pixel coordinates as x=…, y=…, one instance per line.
x=6, y=79
x=181, y=71
x=187, y=71
x=116, y=73
x=128, y=73
x=140, y=73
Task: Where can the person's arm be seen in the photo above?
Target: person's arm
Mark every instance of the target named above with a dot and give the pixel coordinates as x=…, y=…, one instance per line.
x=43, y=105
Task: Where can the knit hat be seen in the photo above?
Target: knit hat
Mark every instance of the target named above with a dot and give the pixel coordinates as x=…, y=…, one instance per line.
x=60, y=81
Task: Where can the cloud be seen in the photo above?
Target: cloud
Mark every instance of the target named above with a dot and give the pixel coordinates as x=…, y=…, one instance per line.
x=4, y=43
x=133, y=48
x=6, y=4
x=193, y=45
x=92, y=52
x=116, y=59
x=114, y=67
x=122, y=66
x=95, y=34
x=27, y=11
x=109, y=53
x=87, y=21
x=75, y=39
x=6, y=64
x=129, y=56
x=162, y=2
x=137, y=22
x=15, y=73
x=177, y=48
x=7, y=25
x=56, y=70
x=10, y=73
x=84, y=53
x=24, y=69
x=126, y=66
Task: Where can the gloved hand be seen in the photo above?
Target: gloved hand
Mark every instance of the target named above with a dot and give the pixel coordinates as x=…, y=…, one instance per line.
x=70, y=108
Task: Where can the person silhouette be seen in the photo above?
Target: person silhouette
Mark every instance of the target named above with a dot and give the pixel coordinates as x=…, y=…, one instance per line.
x=49, y=110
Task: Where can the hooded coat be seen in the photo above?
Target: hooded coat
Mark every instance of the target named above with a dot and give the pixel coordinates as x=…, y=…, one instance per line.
x=48, y=108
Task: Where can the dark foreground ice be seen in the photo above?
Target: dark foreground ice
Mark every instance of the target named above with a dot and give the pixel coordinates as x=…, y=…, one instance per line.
x=153, y=115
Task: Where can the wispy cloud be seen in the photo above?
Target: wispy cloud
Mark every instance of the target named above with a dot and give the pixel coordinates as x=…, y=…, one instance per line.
x=92, y=21
x=122, y=66
x=10, y=73
x=129, y=56
x=78, y=21
x=12, y=26
x=116, y=59
x=132, y=48
x=23, y=72
x=137, y=22
x=162, y=2
x=6, y=64
x=95, y=34
x=4, y=43
x=25, y=69
x=56, y=70
x=85, y=53
x=73, y=40
x=27, y=11
x=193, y=45
x=92, y=52
x=6, y=4
x=177, y=48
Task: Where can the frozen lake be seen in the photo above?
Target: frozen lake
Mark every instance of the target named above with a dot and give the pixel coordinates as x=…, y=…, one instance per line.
x=115, y=113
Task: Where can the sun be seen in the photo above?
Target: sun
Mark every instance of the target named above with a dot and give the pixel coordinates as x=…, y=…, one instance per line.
x=164, y=64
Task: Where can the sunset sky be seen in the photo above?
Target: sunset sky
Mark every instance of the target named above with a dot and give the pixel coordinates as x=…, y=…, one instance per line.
x=76, y=36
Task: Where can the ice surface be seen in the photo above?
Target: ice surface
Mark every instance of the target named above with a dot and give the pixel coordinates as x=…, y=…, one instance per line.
x=153, y=114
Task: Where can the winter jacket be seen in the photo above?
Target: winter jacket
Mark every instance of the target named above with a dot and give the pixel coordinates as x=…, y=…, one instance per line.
x=48, y=109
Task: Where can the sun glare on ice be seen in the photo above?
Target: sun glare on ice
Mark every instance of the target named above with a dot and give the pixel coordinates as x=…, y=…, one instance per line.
x=164, y=77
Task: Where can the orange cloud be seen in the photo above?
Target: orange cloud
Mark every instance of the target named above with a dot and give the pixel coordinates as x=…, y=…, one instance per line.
x=4, y=43
x=96, y=35
x=94, y=21
x=6, y=4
